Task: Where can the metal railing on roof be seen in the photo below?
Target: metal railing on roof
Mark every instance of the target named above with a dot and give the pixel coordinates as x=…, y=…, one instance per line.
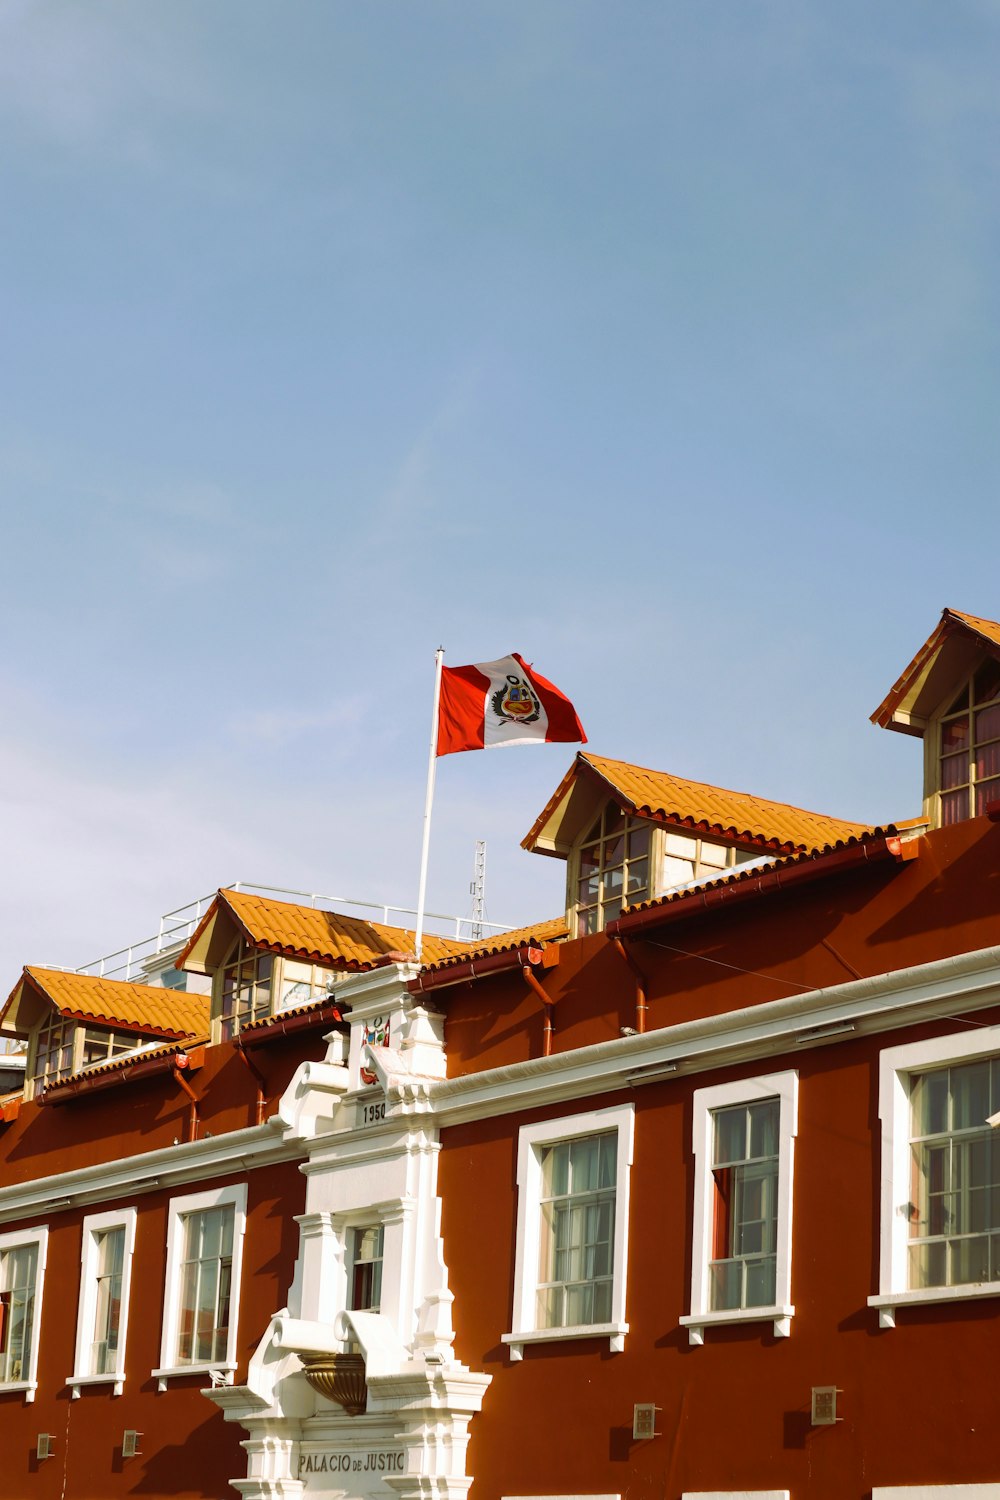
x=178, y=926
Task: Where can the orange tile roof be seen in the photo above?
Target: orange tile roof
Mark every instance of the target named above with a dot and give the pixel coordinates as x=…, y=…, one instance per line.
x=697, y=805
x=325, y=937
x=119, y=1002
x=534, y=936
x=950, y=621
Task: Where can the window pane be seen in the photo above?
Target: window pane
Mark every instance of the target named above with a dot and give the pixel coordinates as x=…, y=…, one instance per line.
x=614, y=852
x=955, y=734
x=954, y=770
x=987, y=792
x=986, y=684
x=988, y=760
x=614, y=819
x=954, y=807
x=764, y=1128
x=730, y=1135
x=987, y=722
x=638, y=841
x=726, y=1283
x=638, y=876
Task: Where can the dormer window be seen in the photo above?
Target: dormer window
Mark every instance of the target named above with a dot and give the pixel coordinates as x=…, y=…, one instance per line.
x=969, y=758
x=54, y=1048
x=253, y=984
x=63, y=1047
x=613, y=868
x=245, y=988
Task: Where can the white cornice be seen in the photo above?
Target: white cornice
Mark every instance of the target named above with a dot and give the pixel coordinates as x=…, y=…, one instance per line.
x=968, y=981
x=130, y=1176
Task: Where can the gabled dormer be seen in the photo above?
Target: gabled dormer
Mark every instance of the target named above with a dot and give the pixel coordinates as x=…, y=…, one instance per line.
x=629, y=834
x=949, y=696
x=268, y=957
x=74, y=1021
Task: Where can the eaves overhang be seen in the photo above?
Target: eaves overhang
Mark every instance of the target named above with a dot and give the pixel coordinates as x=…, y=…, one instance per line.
x=751, y=885
x=165, y=1168
x=527, y=956
x=949, y=653
x=186, y=1058
x=287, y=1023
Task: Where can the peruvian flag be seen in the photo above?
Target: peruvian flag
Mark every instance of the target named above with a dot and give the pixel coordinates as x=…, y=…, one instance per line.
x=503, y=702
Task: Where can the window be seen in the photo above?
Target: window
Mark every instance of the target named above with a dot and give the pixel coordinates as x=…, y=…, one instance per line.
x=576, y=1252
x=54, y=1048
x=100, y=1045
x=63, y=1047
x=572, y=1228
x=743, y=1139
x=613, y=868
x=204, y=1253
x=936, y=1492
x=22, y=1272
x=686, y=858
x=102, y=1314
x=745, y=1181
x=245, y=988
x=252, y=985
x=366, y=1269
x=969, y=747
x=737, y=1495
x=940, y=1190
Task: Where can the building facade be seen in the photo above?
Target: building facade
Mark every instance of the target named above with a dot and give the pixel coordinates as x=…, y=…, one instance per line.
x=691, y=1191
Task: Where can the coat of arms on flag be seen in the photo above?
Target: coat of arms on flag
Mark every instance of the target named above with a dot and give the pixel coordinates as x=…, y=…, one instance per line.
x=516, y=702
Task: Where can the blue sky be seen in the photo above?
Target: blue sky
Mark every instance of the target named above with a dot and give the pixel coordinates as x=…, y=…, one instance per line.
x=655, y=341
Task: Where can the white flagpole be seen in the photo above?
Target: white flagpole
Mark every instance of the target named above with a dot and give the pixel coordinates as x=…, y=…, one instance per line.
x=428, y=803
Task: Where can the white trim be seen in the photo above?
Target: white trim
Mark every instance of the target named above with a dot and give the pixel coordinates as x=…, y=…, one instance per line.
x=93, y=1225
x=621, y=1119
x=149, y=1171
x=895, y=1066
x=785, y=1088
x=736, y=1495
x=39, y=1237
x=562, y=1497
x=179, y=1210
x=936, y=1491
x=966, y=983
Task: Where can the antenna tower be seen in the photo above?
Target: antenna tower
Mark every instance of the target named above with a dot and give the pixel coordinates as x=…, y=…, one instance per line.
x=477, y=890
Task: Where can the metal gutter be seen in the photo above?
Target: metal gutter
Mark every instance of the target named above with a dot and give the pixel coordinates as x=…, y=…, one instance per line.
x=796, y=872
x=524, y=957
x=256, y=1034
x=88, y=1083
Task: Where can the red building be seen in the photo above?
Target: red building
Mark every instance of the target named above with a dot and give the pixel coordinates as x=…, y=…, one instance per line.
x=693, y=1191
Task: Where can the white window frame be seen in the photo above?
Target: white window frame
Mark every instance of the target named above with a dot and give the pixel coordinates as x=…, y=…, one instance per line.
x=785, y=1088
x=896, y=1064
x=989, y=1491
x=531, y=1140
x=93, y=1226
x=179, y=1210
x=736, y=1495
x=13, y=1241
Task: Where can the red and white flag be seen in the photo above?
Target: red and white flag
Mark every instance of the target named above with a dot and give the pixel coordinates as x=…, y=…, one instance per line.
x=503, y=702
